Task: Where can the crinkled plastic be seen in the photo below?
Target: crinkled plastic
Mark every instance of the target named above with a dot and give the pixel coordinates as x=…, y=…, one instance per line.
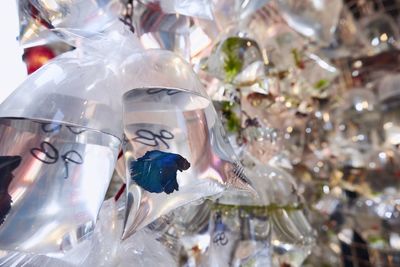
x=33, y=31
x=11, y=259
x=240, y=236
x=64, y=126
x=144, y=250
x=274, y=186
x=191, y=8
x=292, y=235
x=169, y=24
x=105, y=249
x=167, y=110
x=233, y=12
x=87, y=77
x=38, y=16
x=157, y=28
x=98, y=251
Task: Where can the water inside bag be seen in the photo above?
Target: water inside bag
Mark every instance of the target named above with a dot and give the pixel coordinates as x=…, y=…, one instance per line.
x=58, y=188
x=185, y=123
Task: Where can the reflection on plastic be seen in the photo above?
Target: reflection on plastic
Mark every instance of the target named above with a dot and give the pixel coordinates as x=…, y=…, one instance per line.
x=58, y=187
x=315, y=19
x=184, y=123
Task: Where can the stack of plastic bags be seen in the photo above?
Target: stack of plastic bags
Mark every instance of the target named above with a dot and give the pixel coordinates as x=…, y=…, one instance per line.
x=65, y=127
x=287, y=98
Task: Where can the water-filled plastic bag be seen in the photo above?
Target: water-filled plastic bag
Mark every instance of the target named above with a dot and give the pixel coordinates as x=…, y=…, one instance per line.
x=173, y=137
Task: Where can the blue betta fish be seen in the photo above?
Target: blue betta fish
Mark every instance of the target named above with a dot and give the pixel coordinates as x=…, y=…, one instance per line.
x=7, y=165
x=156, y=171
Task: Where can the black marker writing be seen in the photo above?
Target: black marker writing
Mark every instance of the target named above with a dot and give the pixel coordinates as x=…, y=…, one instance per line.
x=73, y=157
x=153, y=91
x=53, y=127
x=75, y=130
x=220, y=239
x=48, y=154
x=149, y=138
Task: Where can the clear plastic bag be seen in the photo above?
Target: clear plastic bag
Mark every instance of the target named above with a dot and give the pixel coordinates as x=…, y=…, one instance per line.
x=389, y=97
x=158, y=28
x=105, y=249
x=233, y=12
x=271, y=227
x=357, y=131
x=315, y=19
x=191, y=8
x=64, y=125
x=10, y=259
x=237, y=60
x=167, y=111
x=37, y=17
x=292, y=235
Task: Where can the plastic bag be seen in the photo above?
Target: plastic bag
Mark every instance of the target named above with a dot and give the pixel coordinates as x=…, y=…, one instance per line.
x=104, y=249
x=228, y=12
x=10, y=259
x=160, y=29
x=172, y=25
x=107, y=249
x=389, y=98
x=166, y=112
x=64, y=125
x=37, y=17
x=191, y=8
x=315, y=19
x=237, y=60
x=356, y=126
x=278, y=205
x=291, y=231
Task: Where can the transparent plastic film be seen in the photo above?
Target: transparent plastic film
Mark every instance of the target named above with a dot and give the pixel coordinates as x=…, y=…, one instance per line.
x=311, y=19
x=38, y=17
x=192, y=8
x=63, y=126
x=172, y=121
